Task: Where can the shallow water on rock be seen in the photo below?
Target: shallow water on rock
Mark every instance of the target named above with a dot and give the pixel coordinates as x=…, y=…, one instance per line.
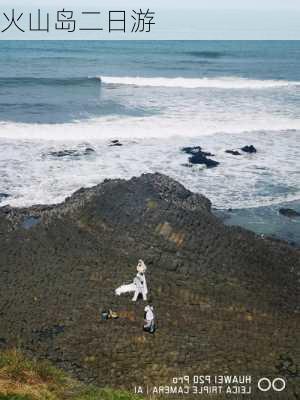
x=266, y=221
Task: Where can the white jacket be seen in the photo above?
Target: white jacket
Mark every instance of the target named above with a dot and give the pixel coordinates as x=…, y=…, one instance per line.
x=149, y=313
x=141, y=283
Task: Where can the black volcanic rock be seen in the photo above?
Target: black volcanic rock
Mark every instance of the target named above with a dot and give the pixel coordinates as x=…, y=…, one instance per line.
x=191, y=149
x=88, y=150
x=226, y=300
x=194, y=150
x=249, y=149
x=3, y=196
x=200, y=157
x=233, y=152
x=289, y=212
x=115, y=142
x=63, y=153
x=70, y=153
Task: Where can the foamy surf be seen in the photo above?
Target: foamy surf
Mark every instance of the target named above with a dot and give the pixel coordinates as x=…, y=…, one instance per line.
x=195, y=83
x=33, y=172
x=134, y=128
x=154, y=99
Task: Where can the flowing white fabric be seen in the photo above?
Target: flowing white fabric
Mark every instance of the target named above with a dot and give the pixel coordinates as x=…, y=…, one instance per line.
x=139, y=284
x=125, y=289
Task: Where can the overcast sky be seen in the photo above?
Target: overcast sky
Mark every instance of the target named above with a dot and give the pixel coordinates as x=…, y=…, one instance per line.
x=202, y=4
x=210, y=19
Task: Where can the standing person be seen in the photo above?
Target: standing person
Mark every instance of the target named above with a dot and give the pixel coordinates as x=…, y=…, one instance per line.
x=139, y=284
x=140, y=281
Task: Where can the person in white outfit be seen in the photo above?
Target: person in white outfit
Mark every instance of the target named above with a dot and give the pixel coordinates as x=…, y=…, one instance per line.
x=139, y=285
x=140, y=281
x=149, y=319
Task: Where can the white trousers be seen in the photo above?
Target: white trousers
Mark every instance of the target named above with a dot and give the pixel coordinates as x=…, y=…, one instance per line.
x=137, y=292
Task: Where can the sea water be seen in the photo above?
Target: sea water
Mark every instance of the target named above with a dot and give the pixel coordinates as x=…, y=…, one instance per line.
x=59, y=98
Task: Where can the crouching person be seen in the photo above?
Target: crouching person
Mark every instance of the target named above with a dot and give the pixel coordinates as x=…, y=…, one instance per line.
x=149, y=319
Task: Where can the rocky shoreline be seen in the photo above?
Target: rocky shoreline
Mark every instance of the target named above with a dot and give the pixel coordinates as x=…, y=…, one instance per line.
x=227, y=300
x=277, y=222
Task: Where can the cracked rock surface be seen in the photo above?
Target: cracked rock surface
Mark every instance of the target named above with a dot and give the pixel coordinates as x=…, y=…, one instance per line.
x=226, y=300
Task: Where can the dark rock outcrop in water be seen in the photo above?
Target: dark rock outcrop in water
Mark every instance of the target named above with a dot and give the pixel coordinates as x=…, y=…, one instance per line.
x=249, y=149
x=200, y=157
x=227, y=301
x=289, y=212
x=115, y=143
x=70, y=153
x=196, y=150
x=233, y=152
x=3, y=196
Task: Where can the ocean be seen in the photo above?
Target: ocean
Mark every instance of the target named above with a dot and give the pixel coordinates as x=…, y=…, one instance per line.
x=63, y=102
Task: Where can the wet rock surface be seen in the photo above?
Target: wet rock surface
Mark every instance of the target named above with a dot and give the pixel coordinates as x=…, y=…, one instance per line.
x=249, y=149
x=70, y=153
x=197, y=156
x=115, y=143
x=289, y=212
x=4, y=196
x=227, y=301
x=265, y=221
x=233, y=152
x=29, y=222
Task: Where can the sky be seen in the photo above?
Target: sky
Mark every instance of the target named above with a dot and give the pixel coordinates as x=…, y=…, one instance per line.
x=180, y=20
x=171, y=4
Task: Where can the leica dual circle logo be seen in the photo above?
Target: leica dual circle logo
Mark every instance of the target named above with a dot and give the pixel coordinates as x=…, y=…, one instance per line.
x=266, y=384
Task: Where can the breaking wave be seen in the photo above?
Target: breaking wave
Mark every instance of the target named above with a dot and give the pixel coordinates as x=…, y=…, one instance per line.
x=194, y=83
x=185, y=83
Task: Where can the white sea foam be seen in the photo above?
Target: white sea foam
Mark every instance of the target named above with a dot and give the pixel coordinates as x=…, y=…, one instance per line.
x=150, y=127
x=194, y=83
x=152, y=143
x=30, y=175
